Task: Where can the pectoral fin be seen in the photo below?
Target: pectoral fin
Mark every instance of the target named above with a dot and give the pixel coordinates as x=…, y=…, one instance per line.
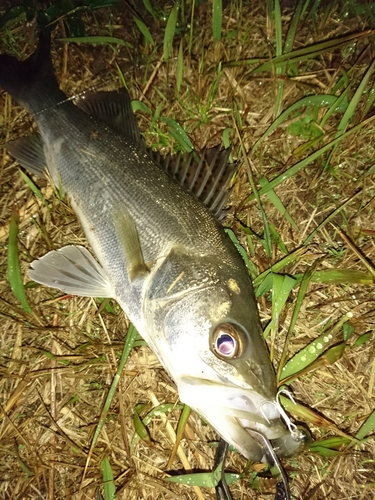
x=129, y=240
x=29, y=152
x=72, y=269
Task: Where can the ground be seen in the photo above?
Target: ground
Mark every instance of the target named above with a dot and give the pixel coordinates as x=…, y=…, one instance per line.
x=312, y=170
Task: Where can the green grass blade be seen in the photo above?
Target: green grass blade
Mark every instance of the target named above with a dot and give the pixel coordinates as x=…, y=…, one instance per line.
x=263, y=287
x=281, y=288
x=161, y=410
x=249, y=264
x=108, y=480
x=180, y=67
x=277, y=239
x=100, y=40
x=343, y=276
x=149, y=7
x=278, y=27
x=140, y=106
x=304, y=358
x=13, y=264
x=313, y=50
x=299, y=55
x=340, y=105
x=280, y=69
x=367, y=428
x=275, y=200
x=311, y=416
x=328, y=218
x=325, y=452
x=180, y=430
x=333, y=442
x=291, y=258
x=292, y=30
x=131, y=336
x=33, y=187
x=100, y=4
x=267, y=244
x=227, y=141
x=313, y=100
x=178, y=133
x=312, y=12
x=140, y=427
x=155, y=412
x=290, y=172
x=144, y=30
x=191, y=30
x=299, y=301
x=362, y=339
x=204, y=479
x=170, y=30
x=121, y=75
x=28, y=472
x=350, y=111
x=217, y=19
x=370, y=101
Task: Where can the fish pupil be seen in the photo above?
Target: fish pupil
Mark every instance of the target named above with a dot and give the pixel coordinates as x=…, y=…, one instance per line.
x=225, y=344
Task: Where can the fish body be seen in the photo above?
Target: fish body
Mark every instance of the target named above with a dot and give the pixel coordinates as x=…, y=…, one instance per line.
x=162, y=255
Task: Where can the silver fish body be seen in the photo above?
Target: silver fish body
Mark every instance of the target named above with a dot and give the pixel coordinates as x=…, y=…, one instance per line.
x=163, y=256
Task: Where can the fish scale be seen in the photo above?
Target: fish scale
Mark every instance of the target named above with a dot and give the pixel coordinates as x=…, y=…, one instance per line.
x=149, y=182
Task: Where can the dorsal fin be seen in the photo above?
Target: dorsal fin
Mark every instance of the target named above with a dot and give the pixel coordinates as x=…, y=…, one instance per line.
x=206, y=175
x=114, y=109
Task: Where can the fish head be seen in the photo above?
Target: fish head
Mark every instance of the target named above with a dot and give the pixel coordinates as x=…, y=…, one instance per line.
x=204, y=315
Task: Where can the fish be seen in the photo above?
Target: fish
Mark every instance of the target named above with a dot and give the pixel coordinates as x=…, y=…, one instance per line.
x=158, y=248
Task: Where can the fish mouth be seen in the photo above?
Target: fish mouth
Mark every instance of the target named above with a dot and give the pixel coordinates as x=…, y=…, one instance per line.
x=241, y=416
x=234, y=412
x=249, y=406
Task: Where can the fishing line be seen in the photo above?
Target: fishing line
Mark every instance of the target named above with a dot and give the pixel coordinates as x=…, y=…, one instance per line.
x=293, y=429
x=76, y=96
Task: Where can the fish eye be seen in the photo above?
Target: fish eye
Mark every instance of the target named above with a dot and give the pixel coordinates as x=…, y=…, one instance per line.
x=227, y=341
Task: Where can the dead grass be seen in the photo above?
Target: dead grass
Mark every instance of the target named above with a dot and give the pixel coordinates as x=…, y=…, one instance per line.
x=57, y=366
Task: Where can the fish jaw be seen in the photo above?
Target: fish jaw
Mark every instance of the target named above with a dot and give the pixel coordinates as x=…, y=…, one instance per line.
x=185, y=302
x=232, y=411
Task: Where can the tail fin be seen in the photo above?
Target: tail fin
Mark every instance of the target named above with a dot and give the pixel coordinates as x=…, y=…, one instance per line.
x=21, y=78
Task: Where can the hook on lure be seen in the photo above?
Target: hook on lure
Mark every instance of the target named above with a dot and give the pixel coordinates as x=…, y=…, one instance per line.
x=222, y=488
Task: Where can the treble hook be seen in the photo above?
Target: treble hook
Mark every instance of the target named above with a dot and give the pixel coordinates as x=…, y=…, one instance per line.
x=222, y=489
x=282, y=488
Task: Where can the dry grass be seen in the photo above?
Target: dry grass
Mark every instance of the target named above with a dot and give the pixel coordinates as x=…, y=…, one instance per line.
x=57, y=366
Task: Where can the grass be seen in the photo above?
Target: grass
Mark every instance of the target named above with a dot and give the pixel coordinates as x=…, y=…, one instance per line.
x=292, y=91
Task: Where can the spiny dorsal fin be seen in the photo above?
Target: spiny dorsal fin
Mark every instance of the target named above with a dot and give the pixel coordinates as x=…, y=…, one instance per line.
x=205, y=175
